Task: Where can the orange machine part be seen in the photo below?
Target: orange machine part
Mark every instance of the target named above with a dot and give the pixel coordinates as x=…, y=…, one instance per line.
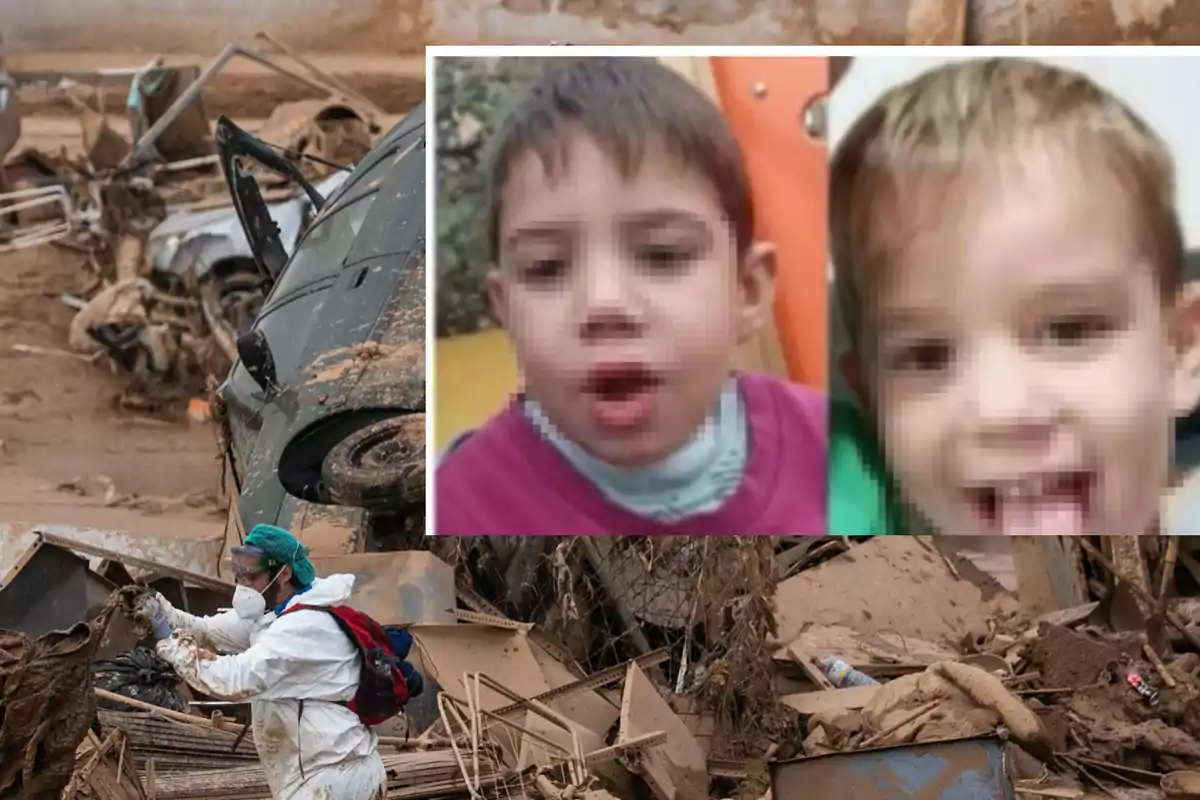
x=765, y=100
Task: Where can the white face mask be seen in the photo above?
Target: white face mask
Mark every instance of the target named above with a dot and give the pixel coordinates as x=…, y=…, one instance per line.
x=248, y=603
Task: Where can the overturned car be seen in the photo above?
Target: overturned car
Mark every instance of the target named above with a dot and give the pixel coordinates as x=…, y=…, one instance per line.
x=325, y=404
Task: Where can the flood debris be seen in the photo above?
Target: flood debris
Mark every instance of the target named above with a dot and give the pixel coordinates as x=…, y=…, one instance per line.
x=673, y=669
x=47, y=703
x=104, y=770
x=170, y=278
x=1093, y=698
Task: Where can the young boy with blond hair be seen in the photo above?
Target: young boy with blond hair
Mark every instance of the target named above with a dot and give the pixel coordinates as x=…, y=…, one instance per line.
x=1007, y=250
x=625, y=274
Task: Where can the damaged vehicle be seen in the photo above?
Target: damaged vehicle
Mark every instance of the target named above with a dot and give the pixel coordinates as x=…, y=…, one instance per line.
x=211, y=249
x=325, y=403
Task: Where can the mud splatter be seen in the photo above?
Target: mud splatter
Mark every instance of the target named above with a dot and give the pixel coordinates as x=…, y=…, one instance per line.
x=330, y=530
x=186, y=653
x=334, y=364
x=270, y=734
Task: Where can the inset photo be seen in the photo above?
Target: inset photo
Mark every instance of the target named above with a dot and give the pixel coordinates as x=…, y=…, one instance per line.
x=1013, y=243
x=631, y=293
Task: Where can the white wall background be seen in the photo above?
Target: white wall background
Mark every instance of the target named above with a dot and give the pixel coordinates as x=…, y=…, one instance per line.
x=1164, y=90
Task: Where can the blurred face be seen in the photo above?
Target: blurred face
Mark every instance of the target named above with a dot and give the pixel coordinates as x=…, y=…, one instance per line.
x=623, y=297
x=248, y=572
x=1021, y=364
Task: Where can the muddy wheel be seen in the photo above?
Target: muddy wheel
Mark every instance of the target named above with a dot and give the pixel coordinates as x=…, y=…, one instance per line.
x=379, y=467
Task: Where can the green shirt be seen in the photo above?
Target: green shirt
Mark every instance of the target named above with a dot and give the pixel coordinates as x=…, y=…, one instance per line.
x=862, y=501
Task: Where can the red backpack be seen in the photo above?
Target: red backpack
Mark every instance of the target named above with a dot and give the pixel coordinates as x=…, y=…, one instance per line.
x=382, y=688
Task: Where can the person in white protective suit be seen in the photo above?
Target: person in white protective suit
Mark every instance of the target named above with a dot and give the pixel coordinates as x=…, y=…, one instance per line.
x=297, y=671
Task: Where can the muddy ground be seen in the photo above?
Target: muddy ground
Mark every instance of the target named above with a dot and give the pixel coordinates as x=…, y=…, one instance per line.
x=64, y=436
x=61, y=427
x=241, y=89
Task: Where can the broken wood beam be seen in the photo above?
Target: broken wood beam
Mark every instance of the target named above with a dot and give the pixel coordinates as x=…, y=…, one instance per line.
x=1167, y=580
x=1048, y=577
x=1189, y=634
x=178, y=740
x=802, y=659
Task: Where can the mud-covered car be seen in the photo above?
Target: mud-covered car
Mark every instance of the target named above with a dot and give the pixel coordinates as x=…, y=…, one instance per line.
x=325, y=405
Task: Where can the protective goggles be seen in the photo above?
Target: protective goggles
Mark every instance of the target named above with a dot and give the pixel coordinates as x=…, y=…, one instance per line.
x=249, y=561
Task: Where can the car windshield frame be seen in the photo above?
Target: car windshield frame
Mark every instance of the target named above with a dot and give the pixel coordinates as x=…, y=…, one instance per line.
x=362, y=186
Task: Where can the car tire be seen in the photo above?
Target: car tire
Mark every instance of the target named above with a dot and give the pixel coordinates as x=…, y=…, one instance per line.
x=380, y=467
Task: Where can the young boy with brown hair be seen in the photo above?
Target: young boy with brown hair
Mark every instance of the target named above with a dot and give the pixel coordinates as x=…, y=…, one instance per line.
x=620, y=227
x=1007, y=251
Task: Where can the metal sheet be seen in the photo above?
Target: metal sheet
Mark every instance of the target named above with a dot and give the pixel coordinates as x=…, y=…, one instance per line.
x=52, y=590
x=963, y=769
x=187, y=576
x=198, y=556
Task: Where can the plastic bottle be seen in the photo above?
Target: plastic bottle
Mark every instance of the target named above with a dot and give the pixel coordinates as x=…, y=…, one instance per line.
x=841, y=674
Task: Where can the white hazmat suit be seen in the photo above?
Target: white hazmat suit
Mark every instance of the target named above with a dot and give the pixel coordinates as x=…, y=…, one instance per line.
x=274, y=663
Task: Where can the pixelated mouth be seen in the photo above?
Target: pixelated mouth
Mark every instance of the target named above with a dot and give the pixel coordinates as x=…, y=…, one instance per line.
x=620, y=382
x=1057, y=503
x=621, y=398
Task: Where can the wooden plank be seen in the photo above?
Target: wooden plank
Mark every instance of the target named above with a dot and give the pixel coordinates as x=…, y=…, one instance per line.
x=801, y=657
x=235, y=535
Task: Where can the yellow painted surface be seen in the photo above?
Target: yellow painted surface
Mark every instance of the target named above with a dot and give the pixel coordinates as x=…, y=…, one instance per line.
x=475, y=376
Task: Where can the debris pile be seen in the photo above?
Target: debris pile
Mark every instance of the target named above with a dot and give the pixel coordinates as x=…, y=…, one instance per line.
x=1103, y=696
x=171, y=278
x=624, y=668
x=47, y=704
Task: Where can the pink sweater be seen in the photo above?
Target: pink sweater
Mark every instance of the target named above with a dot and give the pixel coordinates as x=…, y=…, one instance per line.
x=507, y=480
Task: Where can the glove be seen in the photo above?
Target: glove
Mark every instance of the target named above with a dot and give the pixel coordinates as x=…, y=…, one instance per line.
x=160, y=628
x=152, y=607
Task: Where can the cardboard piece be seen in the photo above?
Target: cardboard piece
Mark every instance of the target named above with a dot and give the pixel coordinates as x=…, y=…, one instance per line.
x=888, y=585
x=851, y=698
x=536, y=752
x=595, y=711
x=447, y=652
x=105, y=148
x=857, y=649
x=676, y=770
x=407, y=587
